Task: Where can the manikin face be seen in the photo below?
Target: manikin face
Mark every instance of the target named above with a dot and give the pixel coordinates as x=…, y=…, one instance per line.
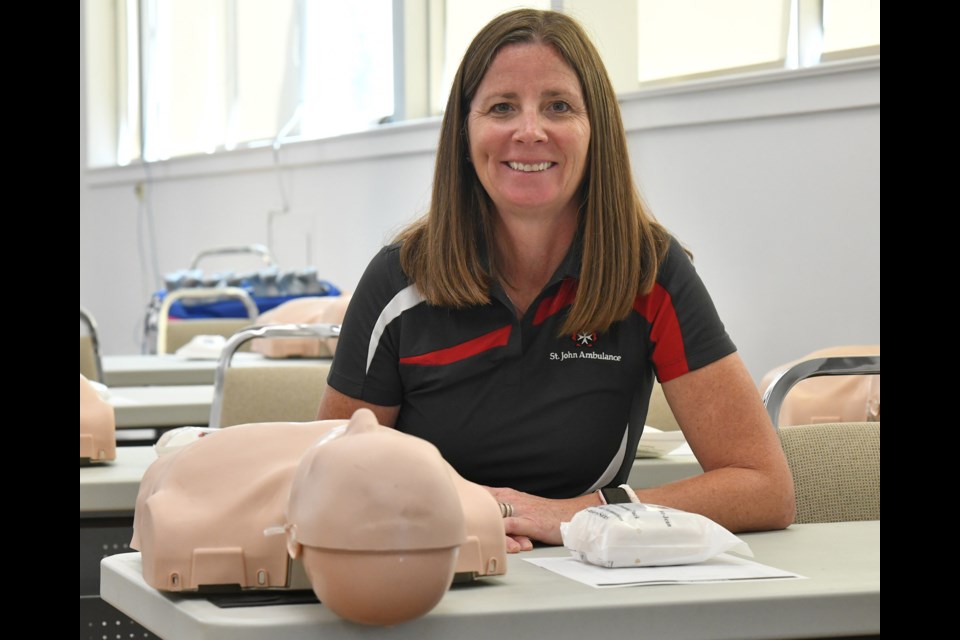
x=529, y=132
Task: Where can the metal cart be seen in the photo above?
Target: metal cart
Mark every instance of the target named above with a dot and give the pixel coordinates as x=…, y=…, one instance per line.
x=221, y=303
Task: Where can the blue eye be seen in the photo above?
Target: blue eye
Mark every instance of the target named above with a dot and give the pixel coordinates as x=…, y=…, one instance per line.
x=559, y=107
x=500, y=107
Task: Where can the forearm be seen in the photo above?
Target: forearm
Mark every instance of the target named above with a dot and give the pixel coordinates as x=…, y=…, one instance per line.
x=739, y=499
x=746, y=484
x=335, y=405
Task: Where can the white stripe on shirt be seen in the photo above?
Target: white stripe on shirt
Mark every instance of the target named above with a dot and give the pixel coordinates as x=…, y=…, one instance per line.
x=405, y=299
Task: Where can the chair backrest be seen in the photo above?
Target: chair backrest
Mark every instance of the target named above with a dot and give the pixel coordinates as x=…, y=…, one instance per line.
x=288, y=393
x=91, y=365
x=836, y=470
x=173, y=334
x=270, y=393
x=659, y=414
x=181, y=332
x=831, y=398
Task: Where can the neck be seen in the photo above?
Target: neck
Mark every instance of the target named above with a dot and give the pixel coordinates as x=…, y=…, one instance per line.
x=528, y=254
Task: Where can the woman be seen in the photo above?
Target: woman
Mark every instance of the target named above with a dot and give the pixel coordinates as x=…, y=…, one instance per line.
x=520, y=323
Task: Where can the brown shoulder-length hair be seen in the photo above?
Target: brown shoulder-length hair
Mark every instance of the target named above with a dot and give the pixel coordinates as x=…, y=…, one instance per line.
x=623, y=245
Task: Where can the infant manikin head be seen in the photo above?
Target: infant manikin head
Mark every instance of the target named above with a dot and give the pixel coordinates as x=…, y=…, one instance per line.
x=376, y=516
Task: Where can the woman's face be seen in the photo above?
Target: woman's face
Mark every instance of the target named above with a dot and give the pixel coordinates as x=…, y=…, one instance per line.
x=529, y=132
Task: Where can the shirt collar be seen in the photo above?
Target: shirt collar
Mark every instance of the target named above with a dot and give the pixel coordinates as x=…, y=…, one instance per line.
x=570, y=266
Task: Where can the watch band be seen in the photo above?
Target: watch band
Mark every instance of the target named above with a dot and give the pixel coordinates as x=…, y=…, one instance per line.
x=615, y=495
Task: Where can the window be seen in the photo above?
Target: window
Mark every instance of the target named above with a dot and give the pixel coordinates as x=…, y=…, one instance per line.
x=850, y=26
x=462, y=20
x=223, y=73
x=347, y=72
x=691, y=37
x=216, y=75
x=168, y=78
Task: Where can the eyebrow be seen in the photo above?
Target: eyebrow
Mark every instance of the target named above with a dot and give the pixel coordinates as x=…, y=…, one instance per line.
x=512, y=95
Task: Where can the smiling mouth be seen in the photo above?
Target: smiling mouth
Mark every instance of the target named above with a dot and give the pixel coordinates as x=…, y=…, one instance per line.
x=530, y=168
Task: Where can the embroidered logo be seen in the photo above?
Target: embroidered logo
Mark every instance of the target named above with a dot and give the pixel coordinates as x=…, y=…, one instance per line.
x=584, y=339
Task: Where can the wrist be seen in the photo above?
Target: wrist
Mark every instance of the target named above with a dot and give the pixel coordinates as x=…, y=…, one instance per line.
x=623, y=494
x=631, y=493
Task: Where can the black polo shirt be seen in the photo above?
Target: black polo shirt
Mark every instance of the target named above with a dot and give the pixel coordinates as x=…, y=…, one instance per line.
x=508, y=402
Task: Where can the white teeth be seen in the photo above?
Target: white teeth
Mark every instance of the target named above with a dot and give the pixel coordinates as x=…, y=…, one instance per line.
x=540, y=166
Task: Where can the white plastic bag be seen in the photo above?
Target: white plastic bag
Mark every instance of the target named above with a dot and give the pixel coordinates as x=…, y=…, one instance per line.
x=645, y=535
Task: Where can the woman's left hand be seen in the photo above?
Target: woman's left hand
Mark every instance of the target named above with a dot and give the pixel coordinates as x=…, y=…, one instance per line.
x=536, y=518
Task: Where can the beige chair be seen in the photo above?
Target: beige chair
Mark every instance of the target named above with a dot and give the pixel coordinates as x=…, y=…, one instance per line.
x=836, y=470
x=91, y=365
x=173, y=334
x=284, y=392
x=659, y=414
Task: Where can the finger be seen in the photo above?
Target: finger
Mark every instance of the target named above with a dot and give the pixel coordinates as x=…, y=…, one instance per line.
x=526, y=544
x=516, y=544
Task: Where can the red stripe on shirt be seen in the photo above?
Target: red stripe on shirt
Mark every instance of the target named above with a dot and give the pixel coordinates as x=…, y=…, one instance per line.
x=497, y=338
x=669, y=355
x=562, y=298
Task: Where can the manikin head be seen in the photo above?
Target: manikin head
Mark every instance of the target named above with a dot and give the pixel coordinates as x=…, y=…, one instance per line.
x=377, y=518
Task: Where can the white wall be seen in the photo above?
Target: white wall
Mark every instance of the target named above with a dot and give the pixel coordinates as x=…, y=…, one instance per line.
x=773, y=181
x=775, y=186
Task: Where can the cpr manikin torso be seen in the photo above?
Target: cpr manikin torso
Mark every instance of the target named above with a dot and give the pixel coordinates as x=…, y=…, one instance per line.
x=381, y=522
x=98, y=427
x=309, y=310
x=825, y=399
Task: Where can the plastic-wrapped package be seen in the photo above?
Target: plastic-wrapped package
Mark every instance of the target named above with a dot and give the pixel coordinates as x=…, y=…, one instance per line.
x=646, y=535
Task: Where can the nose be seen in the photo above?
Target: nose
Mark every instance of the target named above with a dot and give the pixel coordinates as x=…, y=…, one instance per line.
x=530, y=127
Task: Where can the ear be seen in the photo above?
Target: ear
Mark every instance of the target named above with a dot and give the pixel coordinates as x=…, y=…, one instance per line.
x=293, y=547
